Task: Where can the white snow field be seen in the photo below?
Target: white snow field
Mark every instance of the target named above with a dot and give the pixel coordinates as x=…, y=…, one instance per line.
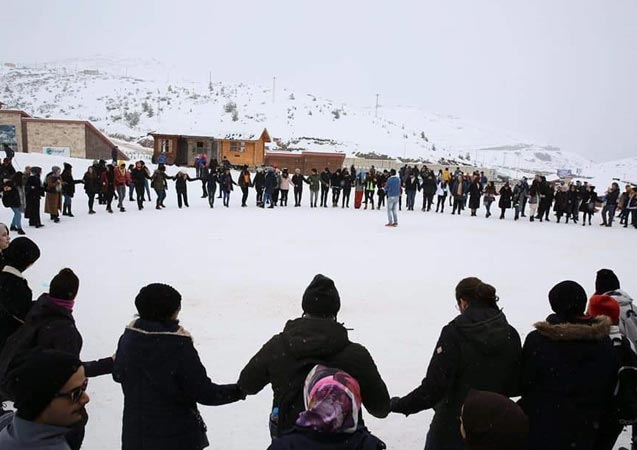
x=242, y=273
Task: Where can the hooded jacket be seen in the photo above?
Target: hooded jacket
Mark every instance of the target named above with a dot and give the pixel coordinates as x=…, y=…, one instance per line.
x=20, y=434
x=568, y=375
x=627, y=315
x=477, y=350
x=286, y=359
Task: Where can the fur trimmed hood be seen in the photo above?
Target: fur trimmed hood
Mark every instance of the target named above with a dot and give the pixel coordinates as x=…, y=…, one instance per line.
x=597, y=329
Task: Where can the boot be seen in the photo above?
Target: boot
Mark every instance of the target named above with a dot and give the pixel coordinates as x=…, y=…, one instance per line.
x=20, y=231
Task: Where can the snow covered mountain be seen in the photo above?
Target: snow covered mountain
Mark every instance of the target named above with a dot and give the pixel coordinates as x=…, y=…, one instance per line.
x=129, y=98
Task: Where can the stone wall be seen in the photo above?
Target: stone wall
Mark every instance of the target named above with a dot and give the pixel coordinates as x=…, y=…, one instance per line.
x=56, y=134
x=15, y=120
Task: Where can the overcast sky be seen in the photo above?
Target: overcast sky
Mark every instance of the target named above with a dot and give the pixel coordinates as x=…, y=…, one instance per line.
x=562, y=72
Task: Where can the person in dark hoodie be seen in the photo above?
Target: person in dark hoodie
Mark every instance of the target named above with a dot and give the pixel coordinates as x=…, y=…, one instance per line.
x=259, y=185
x=91, y=187
x=330, y=420
x=212, y=180
x=181, y=186
x=568, y=374
x=68, y=189
x=491, y=421
x=477, y=350
x=16, y=297
x=163, y=378
x=50, y=325
x=315, y=338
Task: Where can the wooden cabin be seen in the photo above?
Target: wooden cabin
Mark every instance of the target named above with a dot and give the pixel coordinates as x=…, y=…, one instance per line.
x=182, y=149
x=306, y=161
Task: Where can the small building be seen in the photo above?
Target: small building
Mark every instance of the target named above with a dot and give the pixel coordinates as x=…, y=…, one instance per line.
x=72, y=138
x=182, y=148
x=306, y=161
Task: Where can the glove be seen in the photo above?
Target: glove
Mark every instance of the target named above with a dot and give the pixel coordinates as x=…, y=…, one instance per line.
x=393, y=404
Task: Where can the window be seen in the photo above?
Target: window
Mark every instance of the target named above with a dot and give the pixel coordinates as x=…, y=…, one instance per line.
x=165, y=146
x=237, y=146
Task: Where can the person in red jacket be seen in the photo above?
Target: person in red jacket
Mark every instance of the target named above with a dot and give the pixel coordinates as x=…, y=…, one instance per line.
x=122, y=179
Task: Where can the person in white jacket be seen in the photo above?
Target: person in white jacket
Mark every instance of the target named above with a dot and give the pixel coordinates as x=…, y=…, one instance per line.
x=442, y=190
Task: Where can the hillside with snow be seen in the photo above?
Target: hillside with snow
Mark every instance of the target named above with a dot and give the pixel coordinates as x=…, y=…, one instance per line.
x=129, y=99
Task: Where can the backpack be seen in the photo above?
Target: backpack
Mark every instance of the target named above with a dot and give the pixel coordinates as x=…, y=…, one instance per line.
x=624, y=400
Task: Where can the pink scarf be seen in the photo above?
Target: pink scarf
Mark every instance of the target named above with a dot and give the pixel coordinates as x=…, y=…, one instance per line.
x=66, y=304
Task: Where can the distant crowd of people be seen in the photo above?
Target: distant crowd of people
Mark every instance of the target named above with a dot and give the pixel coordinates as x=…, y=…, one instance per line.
x=576, y=374
x=22, y=191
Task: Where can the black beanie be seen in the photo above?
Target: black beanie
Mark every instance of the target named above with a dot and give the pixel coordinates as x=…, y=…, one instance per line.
x=568, y=299
x=64, y=285
x=321, y=297
x=157, y=302
x=21, y=253
x=34, y=377
x=606, y=281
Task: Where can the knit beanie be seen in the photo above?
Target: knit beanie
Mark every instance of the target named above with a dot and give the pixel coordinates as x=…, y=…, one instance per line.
x=493, y=422
x=568, y=299
x=34, y=377
x=21, y=253
x=64, y=285
x=157, y=302
x=321, y=297
x=606, y=281
x=604, y=305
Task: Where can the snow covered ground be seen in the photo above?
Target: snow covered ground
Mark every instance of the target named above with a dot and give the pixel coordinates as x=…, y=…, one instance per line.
x=242, y=272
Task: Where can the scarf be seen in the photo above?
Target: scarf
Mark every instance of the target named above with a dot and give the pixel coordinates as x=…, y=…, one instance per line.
x=66, y=304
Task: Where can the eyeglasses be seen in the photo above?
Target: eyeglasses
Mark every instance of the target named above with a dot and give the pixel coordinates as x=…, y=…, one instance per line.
x=74, y=395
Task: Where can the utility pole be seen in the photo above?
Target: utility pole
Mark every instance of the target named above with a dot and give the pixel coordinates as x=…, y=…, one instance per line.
x=376, y=109
x=273, y=89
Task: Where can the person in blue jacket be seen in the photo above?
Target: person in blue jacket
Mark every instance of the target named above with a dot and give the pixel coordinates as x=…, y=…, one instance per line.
x=163, y=378
x=392, y=188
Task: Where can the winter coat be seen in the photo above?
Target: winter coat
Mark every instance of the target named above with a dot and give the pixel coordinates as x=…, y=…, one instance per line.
x=476, y=350
x=212, y=180
x=442, y=189
x=270, y=182
x=307, y=439
x=20, y=434
x=474, y=196
x=568, y=376
x=159, y=180
x=11, y=195
x=286, y=359
x=612, y=197
x=336, y=180
x=244, y=179
x=584, y=197
x=285, y=183
x=506, y=195
x=326, y=177
x=15, y=302
x=33, y=189
x=392, y=186
x=457, y=185
x=412, y=184
x=259, y=181
x=627, y=315
x=315, y=182
x=561, y=202
x=298, y=180
x=108, y=182
x=489, y=193
x=139, y=176
x=163, y=379
x=122, y=178
x=91, y=183
x=181, y=182
x=227, y=182
x=53, y=188
x=68, y=183
x=53, y=327
x=429, y=186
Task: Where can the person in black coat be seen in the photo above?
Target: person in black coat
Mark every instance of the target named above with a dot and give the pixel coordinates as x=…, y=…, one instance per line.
x=561, y=203
x=212, y=180
x=11, y=199
x=181, y=186
x=572, y=203
x=91, y=187
x=475, y=192
x=270, y=186
x=163, y=378
x=259, y=185
x=588, y=205
x=477, y=350
x=68, y=189
x=50, y=325
x=429, y=188
x=139, y=176
x=297, y=180
x=33, y=193
x=411, y=186
x=15, y=295
x=568, y=374
x=326, y=177
x=506, y=195
x=315, y=338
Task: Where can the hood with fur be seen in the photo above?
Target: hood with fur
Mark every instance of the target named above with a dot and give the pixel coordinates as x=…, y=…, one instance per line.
x=590, y=330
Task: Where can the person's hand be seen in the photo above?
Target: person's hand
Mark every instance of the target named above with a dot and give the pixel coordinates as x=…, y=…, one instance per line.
x=393, y=404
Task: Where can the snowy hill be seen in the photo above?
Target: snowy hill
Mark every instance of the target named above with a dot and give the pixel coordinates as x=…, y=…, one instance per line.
x=129, y=98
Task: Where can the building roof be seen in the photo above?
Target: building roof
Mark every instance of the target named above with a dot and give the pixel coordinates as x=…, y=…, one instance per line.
x=212, y=133
x=15, y=111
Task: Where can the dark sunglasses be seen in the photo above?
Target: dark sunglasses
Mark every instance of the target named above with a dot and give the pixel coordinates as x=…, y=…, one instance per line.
x=75, y=394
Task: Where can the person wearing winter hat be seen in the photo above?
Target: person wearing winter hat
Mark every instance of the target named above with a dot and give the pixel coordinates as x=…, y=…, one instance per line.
x=490, y=421
x=479, y=349
x=568, y=373
x=330, y=420
x=163, y=378
x=315, y=337
x=15, y=295
x=48, y=407
x=53, y=198
x=33, y=193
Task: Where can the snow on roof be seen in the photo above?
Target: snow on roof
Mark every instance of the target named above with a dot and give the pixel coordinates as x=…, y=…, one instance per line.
x=235, y=135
